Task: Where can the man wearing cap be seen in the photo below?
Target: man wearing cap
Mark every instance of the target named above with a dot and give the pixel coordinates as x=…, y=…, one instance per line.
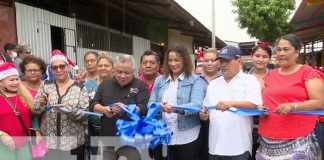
x=230, y=135
x=23, y=50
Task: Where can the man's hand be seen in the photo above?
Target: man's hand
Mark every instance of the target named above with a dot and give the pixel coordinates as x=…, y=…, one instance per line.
x=223, y=105
x=104, y=110
x=107, y=111
x=116, y=108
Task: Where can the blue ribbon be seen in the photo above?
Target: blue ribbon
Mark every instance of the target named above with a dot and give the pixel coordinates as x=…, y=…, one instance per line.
x=192, y=109
x=238, y=111
x=247, y=112
x=147, y=127
x=64, y=109
x=314, y=112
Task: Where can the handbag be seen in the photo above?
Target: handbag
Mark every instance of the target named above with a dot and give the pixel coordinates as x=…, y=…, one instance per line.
x=38, y=150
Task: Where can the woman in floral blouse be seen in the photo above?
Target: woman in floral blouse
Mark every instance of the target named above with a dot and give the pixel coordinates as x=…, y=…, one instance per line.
x=64, y=129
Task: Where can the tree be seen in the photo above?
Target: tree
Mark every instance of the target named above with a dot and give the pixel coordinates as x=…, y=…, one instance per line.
x=264, y=19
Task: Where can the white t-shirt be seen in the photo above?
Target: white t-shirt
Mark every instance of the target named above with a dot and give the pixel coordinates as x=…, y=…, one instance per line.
x=231, y=134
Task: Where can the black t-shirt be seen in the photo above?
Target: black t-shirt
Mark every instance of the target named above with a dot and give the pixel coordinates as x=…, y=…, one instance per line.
x=109, y=92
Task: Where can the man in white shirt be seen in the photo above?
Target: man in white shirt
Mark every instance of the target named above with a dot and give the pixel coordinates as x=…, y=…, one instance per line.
x=230, y=135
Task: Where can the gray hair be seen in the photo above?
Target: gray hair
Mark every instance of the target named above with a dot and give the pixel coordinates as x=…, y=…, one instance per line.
x=125, y=58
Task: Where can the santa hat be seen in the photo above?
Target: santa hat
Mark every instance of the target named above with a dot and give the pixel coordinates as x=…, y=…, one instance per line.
x=58, y=55
x=8, y=69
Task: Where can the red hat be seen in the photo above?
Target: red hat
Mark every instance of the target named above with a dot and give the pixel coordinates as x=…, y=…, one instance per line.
x=58, y=55
x=8, y=69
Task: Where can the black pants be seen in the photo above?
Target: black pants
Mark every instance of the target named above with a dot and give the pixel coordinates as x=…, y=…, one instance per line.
x=156, y=153
x=245, y=156
x=188, y=151
x=57, y=154
x=203, y=134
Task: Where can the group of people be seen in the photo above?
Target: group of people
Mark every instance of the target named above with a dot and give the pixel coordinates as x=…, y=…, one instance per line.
x=56, y=106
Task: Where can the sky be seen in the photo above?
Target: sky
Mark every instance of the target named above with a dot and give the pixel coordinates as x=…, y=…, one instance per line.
x=227, y=29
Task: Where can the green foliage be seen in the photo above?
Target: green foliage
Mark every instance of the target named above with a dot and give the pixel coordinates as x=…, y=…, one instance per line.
x=264, y=19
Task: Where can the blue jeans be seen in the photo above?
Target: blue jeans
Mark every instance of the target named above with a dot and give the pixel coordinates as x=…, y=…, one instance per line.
x=245, y=156
x=318, y=131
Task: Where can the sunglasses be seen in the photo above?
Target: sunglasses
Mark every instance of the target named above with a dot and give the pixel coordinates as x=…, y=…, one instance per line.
x=56, y=67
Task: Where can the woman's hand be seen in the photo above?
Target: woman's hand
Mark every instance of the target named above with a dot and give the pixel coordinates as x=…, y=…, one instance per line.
x=285, y=108
x=80, y=77
x=165, y=107
x=7, y=140
x=204, y=114
x=39, y=137
x=58, y=108
x=43, y=99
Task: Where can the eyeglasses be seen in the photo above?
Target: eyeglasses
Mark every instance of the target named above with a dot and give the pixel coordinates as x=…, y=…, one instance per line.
x=56, y=67
x=32, y=70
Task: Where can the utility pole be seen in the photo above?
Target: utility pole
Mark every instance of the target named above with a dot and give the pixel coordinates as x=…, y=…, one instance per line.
x=213, y=25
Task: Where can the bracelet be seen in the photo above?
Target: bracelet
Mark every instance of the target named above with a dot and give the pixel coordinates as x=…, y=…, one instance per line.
x=295, y=107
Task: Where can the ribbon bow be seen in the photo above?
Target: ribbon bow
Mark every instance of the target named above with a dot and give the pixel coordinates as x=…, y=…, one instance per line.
x=261, y=43
x=147, y=128
x=200, y=53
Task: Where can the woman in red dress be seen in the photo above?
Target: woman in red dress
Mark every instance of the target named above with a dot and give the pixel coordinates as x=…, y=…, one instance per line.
x=289, y=88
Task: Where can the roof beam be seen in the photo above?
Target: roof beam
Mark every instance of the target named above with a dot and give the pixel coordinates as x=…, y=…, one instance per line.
x=151, y=2
x=119, y=8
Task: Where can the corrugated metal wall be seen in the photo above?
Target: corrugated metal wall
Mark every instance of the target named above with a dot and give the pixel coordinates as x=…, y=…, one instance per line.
x=33, y=27
x=140, y=45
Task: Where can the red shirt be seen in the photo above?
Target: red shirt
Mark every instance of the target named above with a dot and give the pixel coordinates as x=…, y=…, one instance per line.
x=148, y=87
x=286, y=89
x=9, y=122
x=32, y=91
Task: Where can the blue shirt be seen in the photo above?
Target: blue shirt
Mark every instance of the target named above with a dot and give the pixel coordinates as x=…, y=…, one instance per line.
x=190, y=93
